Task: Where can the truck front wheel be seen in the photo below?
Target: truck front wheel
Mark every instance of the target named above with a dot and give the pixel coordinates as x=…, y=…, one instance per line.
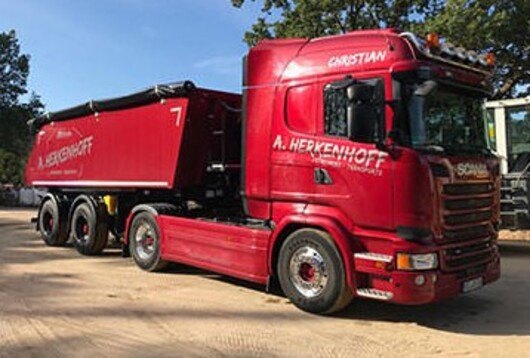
x=88, y=230
x=51, y=224
x=144, y=243
x=311, y=272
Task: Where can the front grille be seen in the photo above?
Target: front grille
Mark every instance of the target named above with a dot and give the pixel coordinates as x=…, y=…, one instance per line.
x=455, y=251
x=467, y=213
x=467, y=189
x=468, y=233
x=466, y=204
x=466, y=261
x=472, y=271
x=460, y=219
x=468, y=256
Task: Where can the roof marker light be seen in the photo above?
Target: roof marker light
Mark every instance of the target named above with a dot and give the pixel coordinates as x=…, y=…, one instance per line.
x=433, y=40
x=490, y=59
x=435, y=48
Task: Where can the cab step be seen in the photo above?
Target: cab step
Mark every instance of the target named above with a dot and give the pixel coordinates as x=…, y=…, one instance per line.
x=375, y=294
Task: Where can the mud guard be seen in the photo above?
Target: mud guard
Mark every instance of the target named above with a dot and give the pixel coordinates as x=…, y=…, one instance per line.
x=342, y=238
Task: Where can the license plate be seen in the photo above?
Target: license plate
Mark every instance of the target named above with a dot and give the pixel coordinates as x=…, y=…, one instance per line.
x=473, y=284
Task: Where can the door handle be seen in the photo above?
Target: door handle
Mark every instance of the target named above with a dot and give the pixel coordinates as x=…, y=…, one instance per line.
x=322, y=177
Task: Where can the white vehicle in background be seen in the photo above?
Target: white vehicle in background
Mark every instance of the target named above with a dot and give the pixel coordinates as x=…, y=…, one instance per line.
x=509, y=134
x=30, y=196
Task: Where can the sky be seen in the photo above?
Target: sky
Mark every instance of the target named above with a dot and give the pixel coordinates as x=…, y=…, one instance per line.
x=82, y=50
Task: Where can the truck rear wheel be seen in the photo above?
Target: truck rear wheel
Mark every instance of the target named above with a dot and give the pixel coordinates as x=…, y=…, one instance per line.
x=144, y=243
x=88, y=230
x=51, y=225
x=311, y=272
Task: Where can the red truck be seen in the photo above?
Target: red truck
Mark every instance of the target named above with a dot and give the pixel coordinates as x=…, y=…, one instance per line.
x=352, y=166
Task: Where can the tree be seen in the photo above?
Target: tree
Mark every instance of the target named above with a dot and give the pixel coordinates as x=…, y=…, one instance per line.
x=500, y=26
x=15, y=138
x=313, y=18
x=11, y=167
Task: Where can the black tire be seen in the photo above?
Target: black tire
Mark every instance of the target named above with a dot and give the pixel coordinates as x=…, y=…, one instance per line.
x=144, y=243
x=52, y=225
x=315, y=281
x=89, y=230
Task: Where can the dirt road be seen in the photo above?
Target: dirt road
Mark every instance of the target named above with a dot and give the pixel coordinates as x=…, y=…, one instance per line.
x=54, y=302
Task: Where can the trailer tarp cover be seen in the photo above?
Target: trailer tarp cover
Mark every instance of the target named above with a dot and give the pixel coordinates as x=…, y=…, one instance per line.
x=149, y=95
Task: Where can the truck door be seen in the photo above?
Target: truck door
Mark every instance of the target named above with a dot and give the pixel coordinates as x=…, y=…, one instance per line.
x=293, y=135
x=351, y=173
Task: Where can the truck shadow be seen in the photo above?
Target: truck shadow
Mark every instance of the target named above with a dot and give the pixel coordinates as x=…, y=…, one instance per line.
x=502, y=308
x=478, y=315
x=514, y=248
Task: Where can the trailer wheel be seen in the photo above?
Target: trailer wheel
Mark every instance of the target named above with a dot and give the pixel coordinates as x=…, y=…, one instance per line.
x=144, y=243
x=88, y=230
x=51, y=226
x=311, y=272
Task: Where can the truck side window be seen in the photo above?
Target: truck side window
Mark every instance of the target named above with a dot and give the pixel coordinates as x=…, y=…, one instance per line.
x=335, y=112
x=365, y=123
x=300, y=109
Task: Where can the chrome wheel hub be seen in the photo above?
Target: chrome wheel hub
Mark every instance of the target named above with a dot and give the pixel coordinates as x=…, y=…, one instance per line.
x=145, y=238
x=308, y=271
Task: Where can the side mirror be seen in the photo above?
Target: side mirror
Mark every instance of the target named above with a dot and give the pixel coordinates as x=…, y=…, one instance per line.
x=344, y=83
x=365, y=115
x=425, y=88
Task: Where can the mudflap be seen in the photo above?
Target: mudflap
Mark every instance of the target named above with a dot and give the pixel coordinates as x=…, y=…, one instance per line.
x=125, y=250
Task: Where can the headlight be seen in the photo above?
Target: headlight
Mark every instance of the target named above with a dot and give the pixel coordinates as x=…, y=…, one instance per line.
x=412, y=262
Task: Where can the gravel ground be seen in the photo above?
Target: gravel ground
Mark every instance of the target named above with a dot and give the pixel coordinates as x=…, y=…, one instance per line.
x=54, y=302
x=516, y=235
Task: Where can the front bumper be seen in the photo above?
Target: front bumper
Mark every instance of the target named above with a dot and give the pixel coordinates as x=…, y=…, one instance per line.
x=437, y=286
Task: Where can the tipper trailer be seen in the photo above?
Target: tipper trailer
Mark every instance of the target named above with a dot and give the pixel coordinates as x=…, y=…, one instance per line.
x=352, y=166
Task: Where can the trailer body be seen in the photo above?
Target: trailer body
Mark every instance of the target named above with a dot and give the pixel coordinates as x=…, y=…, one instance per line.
x=166, y=144
x=323, y=181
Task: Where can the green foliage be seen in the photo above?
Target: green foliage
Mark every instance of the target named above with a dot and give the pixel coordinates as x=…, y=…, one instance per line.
x=313, y=18
x=501, y=26
x=15, y=138
x=14, y=69
x=11, y=168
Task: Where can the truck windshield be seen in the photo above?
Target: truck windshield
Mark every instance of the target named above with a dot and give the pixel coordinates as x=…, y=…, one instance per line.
x=444, y=119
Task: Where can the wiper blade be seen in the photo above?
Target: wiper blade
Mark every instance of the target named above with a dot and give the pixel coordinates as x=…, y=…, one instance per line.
x=471, y=149
x=431, y=148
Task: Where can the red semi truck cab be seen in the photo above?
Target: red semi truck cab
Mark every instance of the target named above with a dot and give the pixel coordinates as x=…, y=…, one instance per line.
x=363, y=170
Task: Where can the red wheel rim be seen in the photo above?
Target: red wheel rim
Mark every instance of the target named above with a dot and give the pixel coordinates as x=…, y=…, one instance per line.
x=307, y=272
